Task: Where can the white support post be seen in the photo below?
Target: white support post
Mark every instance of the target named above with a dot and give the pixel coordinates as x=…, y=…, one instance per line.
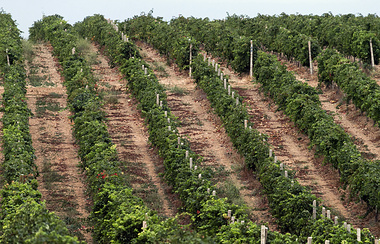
x=8, y=62
x=358, y=234
x=146, y=71
x=179, y=140
x=237, y=101
x=371, y=50
x=166, y=114
x=208, y=190
x=286, y=173
x=225, y=83
x=158, y=99
x=270, y=152
x=229, y=90
x=327, y=242
x=191, y=163
x=264, y=234
x=200, y=176
x=349, y=228
x=335, y=220
x=216, y=67
x=377, y=241
x=245, y=124
x=282, y=167
x=145, y=225
x=323, y=212
x=143, y=67
x=161, y=104
x=169, y=120
x=187, y=154
x=310, y=240
x=345, y=225
x=219, y=72
x=221, y=76
x=275, y=159
x=204, y=57
x=314, y=209
x=195, y=167
x=214, y=193
x=251, y=61
x=233, y=95
x=169, y=128
x=213, y=63
x=310, y=58
x=191, y=47
x=229, y=213
x=209, y=61
x=73, y=51
x=328, y=214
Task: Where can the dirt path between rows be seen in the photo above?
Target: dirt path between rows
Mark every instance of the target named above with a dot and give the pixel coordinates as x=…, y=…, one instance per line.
x=208, y=138
x=365, y=136
x=60, y=181
x=127, y=130
x=291, y=147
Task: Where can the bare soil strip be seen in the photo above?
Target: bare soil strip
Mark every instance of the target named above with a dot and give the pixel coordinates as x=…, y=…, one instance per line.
x=60, y=180
x=208, y=138
x=365, y=136
x=127, y=130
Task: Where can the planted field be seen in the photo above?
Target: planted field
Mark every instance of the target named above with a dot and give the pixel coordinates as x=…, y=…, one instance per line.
x=146, y=131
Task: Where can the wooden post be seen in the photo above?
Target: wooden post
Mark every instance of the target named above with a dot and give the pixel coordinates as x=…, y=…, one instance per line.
x=158, y=99
x=349, y=228
x=328, y=214
x=335, y=220
x=187, y=154
x=237, y=101
x=314, y=209
x=146, y=71
x=9, y=64
x=225, y=83
x=251, y=61
x=281, y=166
x=209, y=61
x=310, y=240
x=245, y=124
x=229, y=90
x=323, y=212
x=371, y=50
x=270, y=152
x=221, y=76
x=358, y=234
x=264, y=233
x=191, y=163
x=191, y=46
x=275, y=159
x=310, y=59
x=216, y=67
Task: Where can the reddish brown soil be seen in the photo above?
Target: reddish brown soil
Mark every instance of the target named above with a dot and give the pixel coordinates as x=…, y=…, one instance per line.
x=128, y=132
x=365, y=136
x=207, y=136
x=60, y=181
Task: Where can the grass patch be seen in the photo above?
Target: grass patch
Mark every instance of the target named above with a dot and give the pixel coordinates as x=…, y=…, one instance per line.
x=229, y=190
x=45, y=104
x=28, y=50
x=178, y=91
x=83, y=46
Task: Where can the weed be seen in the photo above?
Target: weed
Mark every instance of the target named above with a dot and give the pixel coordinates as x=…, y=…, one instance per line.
x=178, y=91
